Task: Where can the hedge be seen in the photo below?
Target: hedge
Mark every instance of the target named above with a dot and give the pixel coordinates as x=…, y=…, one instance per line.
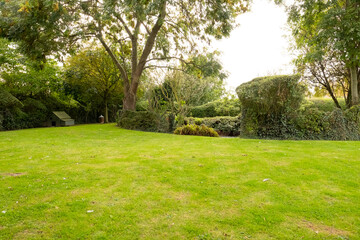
x=223, y=107
x=142, y=120
x=267, y=104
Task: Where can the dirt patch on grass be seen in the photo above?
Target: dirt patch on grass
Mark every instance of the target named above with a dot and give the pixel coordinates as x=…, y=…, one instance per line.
x=324, y=229
x=13, y=174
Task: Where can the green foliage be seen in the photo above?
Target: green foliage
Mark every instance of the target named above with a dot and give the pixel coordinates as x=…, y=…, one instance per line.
x=191, y=129
x=267, y=103
x=7, y=100
x=142, y=105
x=92, y=79
x=271, y=95
x=353, y=115
x=142, y=120
x=271, y=109
x=325, y=104
x=206, y=65
x=149, y=31
x=225, y=126
x=180, y=91
x=40, y=27
x=327, y=34
x=313, y=123
x=223, y=107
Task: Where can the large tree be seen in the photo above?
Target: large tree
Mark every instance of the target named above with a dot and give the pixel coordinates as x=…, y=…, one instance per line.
x=324, y=28
x=94, y=75
x=148, y=30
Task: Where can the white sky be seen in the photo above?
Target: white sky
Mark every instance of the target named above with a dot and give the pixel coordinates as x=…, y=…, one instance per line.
x=259, y=46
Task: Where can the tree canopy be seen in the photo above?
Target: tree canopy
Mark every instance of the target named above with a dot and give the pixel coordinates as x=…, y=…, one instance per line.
x=91, y=75
x=148, y=30
x=329, y=30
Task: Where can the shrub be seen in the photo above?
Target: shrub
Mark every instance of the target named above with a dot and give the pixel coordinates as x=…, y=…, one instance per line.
x=192, y=129
x=340, y=127
x=353, y=115
x=326, y=104
x=267, y=104
x=142, y=105
x=223, y=107
x=226, y=126
x=313, y=123
x=142, y=120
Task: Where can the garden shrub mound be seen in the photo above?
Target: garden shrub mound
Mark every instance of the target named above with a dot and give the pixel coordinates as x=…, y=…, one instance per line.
x=274, y=107
x=223, y=107
x=142, y=120
x=193, y=129
x=225, y=126
x=312, y=123
x=267, y=103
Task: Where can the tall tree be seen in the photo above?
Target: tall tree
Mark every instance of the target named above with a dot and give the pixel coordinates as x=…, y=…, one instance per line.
x=148, y=30
x=323, y=26
x=94, y=72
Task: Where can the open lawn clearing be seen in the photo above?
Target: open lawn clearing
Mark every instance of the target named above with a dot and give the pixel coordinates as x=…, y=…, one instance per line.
x=102, y=182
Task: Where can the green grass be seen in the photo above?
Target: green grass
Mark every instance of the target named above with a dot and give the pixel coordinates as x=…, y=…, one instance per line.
x=162, y=186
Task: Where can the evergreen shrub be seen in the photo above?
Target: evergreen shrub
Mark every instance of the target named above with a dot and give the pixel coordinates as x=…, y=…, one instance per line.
x=267, y=104
x=142, y=120
x=192, y=129
x=223, y=107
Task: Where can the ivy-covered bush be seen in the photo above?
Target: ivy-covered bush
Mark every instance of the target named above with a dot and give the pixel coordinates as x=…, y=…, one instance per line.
x=192, y=129
x=267, y=104
x=312, y=123
x=223, y=107
x=225, y=126
x=142, y=120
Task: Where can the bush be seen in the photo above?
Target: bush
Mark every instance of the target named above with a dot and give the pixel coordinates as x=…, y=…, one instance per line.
x=142, y=120
x=197, y=130
x=313, y=123
x=223, y=107
x=325, y=104
x=142, y=105
x=225, y=126
x=267, y=104
x=353, y=115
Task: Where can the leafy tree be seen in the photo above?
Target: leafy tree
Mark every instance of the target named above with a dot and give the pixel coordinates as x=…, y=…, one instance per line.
x=327, y=75
x=208, y=69
x=324, y=28
x=94, y=75
x=150, y=31
x=39, y=26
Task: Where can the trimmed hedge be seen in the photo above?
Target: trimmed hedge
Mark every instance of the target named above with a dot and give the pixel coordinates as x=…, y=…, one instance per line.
x=224, y=126
x=142, y=120
x=267, y=104
x=312, y=123
x=223, y=107
x=192, y=129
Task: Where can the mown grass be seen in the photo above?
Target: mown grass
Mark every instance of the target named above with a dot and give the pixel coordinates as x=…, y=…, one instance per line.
x=102, y=182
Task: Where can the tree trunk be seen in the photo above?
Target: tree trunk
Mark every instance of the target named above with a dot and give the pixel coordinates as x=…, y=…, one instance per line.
x=129, y=102
x=328, y=88
x=106, y=112
x=354, y=86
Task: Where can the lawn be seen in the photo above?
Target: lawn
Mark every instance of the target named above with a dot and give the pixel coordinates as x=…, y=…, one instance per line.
x=102, y=182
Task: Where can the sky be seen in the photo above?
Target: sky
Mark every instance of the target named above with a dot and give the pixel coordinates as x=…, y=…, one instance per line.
x=258, y=47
